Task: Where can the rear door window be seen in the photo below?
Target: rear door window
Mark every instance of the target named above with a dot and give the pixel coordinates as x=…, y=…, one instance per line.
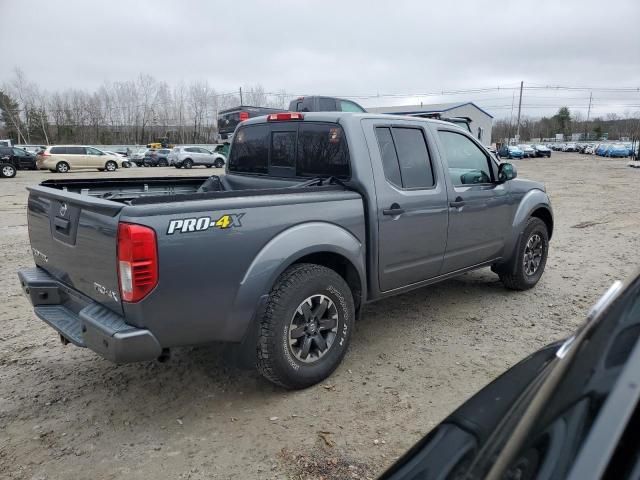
x=405, y=157
x=76, y=150
x=389, y=157
x=415, y=164
x=58, y=150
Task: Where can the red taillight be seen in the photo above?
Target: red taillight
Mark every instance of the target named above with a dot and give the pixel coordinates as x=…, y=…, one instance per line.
x=244, y=116
x=137, y=261
x=283, y=117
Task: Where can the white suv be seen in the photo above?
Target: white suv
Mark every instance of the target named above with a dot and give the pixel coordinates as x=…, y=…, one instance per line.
x=62, y=158
x=188, y=157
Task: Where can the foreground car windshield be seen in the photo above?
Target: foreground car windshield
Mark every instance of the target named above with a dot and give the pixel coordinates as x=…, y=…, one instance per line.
x=571, y=393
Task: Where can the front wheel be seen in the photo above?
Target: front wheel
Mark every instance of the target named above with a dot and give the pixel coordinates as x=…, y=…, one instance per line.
x=7, y=170
x=111, y=166
x=219, y=163
x=526, y=267
x=306, y=326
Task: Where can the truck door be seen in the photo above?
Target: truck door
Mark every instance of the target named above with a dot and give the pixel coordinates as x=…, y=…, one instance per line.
x=411, y=203
x=479, y=208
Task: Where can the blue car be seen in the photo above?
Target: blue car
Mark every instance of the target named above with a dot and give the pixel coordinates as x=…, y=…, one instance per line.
x=602, y=149
x=510, y=152
x=617, y=151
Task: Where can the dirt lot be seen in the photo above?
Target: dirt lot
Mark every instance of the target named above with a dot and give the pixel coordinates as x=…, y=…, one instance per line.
x=66, y=413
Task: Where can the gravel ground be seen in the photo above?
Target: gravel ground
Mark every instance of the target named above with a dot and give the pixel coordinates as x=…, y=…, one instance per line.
x=66, y=413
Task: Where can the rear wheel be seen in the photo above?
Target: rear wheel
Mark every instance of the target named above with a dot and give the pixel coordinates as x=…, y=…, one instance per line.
x=306, y=326
x=188, y=163
x=111, y=166
x=163, y=163
x=526, y=267
x=62, y=167
x=177, y=166
x=7, y=170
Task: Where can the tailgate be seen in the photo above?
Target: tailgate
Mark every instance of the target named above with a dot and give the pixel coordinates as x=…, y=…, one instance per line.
x=74, y=238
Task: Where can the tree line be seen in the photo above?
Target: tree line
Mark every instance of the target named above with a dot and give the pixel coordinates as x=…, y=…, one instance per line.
x=567, y=123
x=129, y=112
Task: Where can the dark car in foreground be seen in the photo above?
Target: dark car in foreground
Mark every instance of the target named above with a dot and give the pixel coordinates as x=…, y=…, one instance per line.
x=569, y=411
x=19, y=158
x=318, y=214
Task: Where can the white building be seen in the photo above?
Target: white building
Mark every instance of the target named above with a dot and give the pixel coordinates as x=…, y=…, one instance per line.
x=481, y=120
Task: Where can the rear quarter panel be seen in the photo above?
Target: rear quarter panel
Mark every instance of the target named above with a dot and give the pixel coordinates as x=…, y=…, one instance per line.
x=209, y=280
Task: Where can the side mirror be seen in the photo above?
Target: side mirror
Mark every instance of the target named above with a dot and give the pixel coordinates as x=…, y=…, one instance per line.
x=506, y=172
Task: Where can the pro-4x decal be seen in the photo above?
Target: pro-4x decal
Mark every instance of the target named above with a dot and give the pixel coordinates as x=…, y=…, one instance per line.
x=198, y=224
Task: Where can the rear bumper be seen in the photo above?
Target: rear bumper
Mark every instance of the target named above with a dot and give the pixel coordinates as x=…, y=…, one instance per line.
x=85, y=323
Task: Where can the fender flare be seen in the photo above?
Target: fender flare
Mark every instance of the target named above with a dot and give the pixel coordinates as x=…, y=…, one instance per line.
x=285, y=249
x=531, y=201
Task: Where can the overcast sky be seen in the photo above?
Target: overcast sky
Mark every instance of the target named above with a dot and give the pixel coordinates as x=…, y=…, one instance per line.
x=345, y=48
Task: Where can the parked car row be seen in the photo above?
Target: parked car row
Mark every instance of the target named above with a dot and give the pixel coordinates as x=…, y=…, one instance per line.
x=614, y=150
x=63, y=158
x=618, y=149
x=524, y=151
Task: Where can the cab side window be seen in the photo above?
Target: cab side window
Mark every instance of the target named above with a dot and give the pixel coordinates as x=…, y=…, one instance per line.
x=468, y=165
x=405, y=157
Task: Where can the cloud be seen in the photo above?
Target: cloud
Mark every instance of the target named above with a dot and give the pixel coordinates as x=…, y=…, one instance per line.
x=327, y=47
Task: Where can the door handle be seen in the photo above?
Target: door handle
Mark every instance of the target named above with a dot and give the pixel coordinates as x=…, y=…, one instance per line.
x=394, y=210
x=457, y=203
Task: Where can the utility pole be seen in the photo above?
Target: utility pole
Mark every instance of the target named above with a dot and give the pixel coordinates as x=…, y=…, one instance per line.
x=588, y=114
x=513, y=99
x=519, y=110
x=240, y=95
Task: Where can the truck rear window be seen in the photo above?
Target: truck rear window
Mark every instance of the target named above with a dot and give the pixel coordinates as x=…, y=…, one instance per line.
x=291, y=149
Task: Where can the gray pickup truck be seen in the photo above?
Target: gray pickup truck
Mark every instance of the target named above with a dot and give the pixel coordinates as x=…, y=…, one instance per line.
x=318, y=214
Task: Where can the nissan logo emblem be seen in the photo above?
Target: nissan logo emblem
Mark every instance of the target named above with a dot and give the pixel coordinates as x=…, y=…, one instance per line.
x=63, y=209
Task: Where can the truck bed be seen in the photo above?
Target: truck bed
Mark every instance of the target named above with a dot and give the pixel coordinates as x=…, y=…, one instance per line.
x=136, y=191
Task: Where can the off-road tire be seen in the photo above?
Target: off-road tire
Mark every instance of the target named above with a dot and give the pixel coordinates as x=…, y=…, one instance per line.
x=275, y=359
x=513, y=274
